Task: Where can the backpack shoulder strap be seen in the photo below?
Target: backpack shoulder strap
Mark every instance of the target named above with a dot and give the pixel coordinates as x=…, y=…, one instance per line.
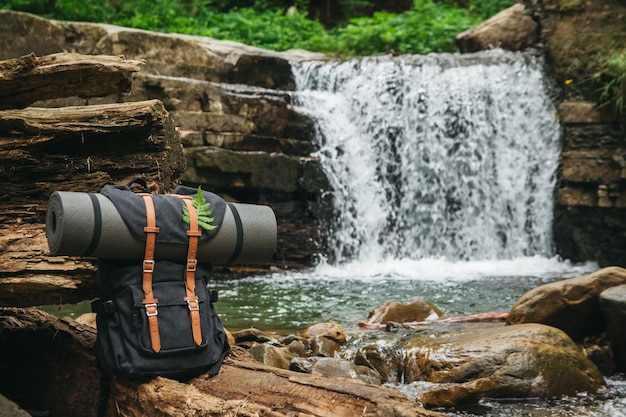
x=149, y=301
x=194, y=234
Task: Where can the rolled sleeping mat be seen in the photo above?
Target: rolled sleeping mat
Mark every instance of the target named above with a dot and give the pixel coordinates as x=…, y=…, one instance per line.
x=84, y=224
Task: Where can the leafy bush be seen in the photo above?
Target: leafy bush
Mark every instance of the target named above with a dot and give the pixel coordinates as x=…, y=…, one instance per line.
x=613, y=80
x=429, y=27
x=268, y=29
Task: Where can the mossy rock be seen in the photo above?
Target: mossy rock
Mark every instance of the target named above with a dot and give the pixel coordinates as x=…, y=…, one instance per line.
x=525, y=360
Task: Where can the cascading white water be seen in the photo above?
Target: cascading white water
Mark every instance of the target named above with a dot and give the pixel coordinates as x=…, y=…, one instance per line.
x=444, y=156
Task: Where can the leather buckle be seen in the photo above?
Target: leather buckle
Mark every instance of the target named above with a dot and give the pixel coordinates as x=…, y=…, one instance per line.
x=150, y=306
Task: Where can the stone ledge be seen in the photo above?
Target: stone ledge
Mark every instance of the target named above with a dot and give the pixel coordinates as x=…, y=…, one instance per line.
x=581, y=112
x=603, y=196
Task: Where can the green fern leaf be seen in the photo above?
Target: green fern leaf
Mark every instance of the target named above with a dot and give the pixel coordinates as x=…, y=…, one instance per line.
x=204, y=211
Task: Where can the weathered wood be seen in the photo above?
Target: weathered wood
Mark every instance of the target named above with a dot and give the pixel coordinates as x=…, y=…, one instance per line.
x=28, y=79
x=48, y=365
x=81, y=149
x=29, y=276
x=71, y=149
x=245, y=388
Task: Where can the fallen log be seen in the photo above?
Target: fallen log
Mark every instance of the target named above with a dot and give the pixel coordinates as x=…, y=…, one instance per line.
x=28, y=79
x=71, y=149
x=80, y=149
x=492, y=317
x=48, y=366
x=30, y=276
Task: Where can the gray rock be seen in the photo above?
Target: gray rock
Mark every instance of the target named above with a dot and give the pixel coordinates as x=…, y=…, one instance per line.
x=216, y=167
x=332, y=331
x=299, y=348
x=303, y=365
x=386, y=360
x=613, y=304
x=253, y=335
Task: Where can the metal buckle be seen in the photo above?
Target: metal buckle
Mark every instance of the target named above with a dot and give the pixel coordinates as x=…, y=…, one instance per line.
x=192, y=265
x=193, y=308
x=148, y=313
x=148, y=265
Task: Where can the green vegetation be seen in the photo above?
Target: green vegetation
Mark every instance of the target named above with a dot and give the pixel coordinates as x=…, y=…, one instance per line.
x=426, y=28
x=613, y=80
x=429, y=26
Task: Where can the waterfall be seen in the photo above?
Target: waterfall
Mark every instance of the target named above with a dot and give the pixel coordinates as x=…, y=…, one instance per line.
x=445, y=156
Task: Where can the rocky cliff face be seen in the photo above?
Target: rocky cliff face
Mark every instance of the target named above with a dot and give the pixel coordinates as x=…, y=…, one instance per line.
x=230, y=103
x=590, y=211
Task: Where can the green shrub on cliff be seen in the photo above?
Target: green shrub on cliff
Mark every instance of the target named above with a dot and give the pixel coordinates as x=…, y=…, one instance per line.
x=426, y=28
x=430, y=26
x=613, y=80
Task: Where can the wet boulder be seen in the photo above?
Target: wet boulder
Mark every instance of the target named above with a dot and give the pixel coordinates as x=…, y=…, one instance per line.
x=299, y=348
x=384, y=357
x=324, y=346
x=613, y=304
x=392, y=311
x=275, y=356
x=335, y=367
x=251, y=337
x=331, y=331
x=526, y=360
x=571, y=305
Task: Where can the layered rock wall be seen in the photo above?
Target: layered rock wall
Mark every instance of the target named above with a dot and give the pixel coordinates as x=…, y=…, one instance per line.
x=590, y=210
x=231, y=106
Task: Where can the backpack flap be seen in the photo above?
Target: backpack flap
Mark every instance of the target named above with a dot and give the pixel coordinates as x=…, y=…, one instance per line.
x=177, y=333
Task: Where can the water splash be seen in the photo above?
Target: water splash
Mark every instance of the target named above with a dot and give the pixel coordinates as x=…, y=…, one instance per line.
x=435, y=157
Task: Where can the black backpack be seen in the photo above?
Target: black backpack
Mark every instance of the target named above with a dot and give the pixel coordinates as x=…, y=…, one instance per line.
x=156, y=317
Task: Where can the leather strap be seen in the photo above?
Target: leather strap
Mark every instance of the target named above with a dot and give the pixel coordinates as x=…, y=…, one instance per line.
x=149, y=302
x=194, y=234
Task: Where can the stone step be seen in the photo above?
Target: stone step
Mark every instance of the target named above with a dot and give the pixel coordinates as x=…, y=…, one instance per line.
x=243, y=142
x=228, y=170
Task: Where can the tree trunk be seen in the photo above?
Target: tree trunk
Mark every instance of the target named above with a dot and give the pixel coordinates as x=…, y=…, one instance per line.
x=49, y=366
x=28, y=79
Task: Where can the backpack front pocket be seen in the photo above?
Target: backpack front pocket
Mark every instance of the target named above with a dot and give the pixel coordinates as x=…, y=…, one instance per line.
x=172, y=314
